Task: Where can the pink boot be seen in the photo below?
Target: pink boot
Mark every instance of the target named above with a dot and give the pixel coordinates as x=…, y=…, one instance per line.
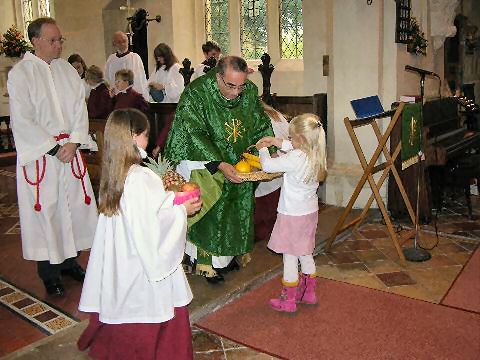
x=286, y=301
x=306, y=290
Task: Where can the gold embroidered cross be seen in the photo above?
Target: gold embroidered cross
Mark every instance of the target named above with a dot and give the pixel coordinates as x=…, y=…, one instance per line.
x=413, y=131
x=234, y=130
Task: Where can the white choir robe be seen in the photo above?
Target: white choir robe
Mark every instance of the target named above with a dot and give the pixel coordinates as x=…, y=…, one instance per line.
x=134, y=273
x=45, y=101
x=173, y=81
x=198, y=71
x=131, y=61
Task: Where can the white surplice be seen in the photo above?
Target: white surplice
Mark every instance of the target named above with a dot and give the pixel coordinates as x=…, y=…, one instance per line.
x=45, y=101
x=131, y=61
x=134, y=273
x=172, y=80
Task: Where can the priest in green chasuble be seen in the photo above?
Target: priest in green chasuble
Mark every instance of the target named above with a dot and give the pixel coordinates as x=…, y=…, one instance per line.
x=218, y=117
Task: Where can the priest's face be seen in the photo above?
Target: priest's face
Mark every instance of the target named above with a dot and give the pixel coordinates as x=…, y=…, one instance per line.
x=232, y=83
x=50, y=43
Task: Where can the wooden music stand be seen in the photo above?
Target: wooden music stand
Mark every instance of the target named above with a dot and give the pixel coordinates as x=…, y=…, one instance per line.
x=370, y=169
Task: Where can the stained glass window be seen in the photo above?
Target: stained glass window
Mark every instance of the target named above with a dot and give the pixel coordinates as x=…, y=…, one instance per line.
x=253, y=28
x=43, y=8
x=291, y=29
x=27, y=14
x=216, y=23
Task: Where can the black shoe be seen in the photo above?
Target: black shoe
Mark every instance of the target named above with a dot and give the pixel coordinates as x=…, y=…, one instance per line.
x=54, y=287
x=232, y=266
x=217, y=279
x=76, y=273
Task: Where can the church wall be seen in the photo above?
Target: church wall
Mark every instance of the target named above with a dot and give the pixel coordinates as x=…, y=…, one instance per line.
x=472, y=61
x=7, y=15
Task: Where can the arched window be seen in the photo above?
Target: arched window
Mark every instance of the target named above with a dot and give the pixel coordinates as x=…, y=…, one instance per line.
x=291, y=29
x=253, y=28
x=216, y=23
x=273, y=26
x=32, y=9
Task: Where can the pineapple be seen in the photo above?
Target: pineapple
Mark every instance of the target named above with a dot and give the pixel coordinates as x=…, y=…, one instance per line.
x=163, y=167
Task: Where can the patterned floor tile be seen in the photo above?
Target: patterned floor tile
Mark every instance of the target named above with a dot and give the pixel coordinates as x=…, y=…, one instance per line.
x=397, y=278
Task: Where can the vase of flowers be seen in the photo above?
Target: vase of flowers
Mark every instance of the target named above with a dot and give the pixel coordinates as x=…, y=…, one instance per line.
x=13, y=44
x=417, y=44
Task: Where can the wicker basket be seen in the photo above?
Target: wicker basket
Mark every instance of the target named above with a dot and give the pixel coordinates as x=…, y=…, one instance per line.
x=259, y=176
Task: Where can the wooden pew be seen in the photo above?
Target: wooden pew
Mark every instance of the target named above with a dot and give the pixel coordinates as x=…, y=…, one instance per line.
x=160, y=116
x=93, y=159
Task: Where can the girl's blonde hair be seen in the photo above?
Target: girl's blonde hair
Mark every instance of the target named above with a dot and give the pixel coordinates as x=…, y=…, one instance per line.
x=119, y=154
x=309, y=128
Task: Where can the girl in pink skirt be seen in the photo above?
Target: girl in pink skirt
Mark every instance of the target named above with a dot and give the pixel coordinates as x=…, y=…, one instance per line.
x=304, y=165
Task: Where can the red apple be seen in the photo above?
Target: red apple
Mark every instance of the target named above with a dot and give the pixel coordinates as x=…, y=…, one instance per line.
x=189, y=186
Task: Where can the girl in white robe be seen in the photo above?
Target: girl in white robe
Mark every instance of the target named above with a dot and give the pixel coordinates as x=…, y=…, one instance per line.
x=135, y=286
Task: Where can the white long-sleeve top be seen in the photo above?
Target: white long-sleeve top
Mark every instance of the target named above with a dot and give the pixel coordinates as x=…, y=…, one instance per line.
x=134, y=273
x=172, y=80
x=130, y=61
x=296, y=197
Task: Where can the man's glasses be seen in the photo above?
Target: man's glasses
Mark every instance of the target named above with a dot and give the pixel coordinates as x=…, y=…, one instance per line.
x=232, y=86
x=53, y=41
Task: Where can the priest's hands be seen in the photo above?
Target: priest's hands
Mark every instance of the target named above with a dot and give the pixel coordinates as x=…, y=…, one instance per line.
x=229, y=172
x=193, y=205
x=66, y=153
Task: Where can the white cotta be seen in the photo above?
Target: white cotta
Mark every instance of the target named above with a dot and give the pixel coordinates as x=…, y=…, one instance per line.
x=134, y=273
x=45, y=101
x=131, y=61
x=172, y=80
x=198, y=71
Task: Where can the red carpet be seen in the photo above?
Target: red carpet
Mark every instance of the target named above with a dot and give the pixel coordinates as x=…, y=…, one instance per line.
x=351, y=322
x=465, y=292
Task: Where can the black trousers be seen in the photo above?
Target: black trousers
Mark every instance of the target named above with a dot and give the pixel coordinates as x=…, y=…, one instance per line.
x=47, y=271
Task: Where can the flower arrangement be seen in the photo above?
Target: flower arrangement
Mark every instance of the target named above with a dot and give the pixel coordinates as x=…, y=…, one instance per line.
x=417, y=44
x=12, y=43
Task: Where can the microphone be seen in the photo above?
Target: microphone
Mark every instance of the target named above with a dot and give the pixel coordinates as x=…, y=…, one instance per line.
x=420, y=71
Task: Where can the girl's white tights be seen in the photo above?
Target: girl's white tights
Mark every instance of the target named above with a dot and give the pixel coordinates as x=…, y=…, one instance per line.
x=290, y=266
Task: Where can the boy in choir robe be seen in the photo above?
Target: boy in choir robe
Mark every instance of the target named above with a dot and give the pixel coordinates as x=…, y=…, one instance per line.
x=212, y=52
x=49, y=122
x=125, y=59
x=99, y=103
x=124, y=95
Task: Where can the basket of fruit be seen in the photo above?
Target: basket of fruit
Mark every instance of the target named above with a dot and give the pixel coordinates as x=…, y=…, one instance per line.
x=250, y=169
x=173, y=181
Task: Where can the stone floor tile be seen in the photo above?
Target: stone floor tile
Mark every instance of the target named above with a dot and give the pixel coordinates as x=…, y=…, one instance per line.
x=460, y=258
x=415, y=292
x=452, y=248
x=374, y=233
x=360, y=245
x=369, y=281
x=382, y=266
x=322, y=259
x=396, y=278
x=352, y=270
x=382, y=243
x=343, y=257
x=342, y=247
x=329, y=272
x=204, y=341
x=370, y=255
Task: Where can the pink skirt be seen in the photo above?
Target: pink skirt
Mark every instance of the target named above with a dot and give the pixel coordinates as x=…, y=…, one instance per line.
x=168, y=340
x=294, y=235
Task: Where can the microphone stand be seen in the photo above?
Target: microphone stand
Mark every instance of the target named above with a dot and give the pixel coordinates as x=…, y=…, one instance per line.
x=416, y=253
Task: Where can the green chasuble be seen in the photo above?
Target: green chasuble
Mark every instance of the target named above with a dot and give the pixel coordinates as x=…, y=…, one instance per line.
x=208, y=127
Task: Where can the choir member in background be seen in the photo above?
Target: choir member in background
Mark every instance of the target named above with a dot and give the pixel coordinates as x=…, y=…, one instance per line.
x=124, y=95
x=99, y=103
x=79, y=64
x=211, y=52
x=166, y=77
x=135, y=287
x=125, y=59
x=49, y=121
x=268, y=192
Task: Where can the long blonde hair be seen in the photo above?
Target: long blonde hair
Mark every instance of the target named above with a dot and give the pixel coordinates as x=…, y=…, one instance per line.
x=119, y=154
x=310, y=129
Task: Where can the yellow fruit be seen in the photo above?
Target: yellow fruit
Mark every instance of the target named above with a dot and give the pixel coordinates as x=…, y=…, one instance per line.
x=243, y=166
x=255, y=164
x=249, y=156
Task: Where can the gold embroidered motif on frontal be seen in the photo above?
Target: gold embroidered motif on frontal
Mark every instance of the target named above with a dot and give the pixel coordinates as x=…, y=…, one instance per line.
x=234, y=130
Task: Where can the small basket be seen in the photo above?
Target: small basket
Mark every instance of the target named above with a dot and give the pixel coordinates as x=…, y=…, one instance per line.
x=259, y=176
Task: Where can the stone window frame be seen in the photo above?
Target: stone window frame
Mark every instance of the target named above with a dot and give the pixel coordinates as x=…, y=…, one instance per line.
x=20, y=20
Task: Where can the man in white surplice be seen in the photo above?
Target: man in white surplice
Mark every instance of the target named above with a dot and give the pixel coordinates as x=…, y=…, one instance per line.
x=125, y=59
x=49, y=120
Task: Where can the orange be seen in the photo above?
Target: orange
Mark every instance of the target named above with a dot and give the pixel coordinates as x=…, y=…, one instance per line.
x=243, y=166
